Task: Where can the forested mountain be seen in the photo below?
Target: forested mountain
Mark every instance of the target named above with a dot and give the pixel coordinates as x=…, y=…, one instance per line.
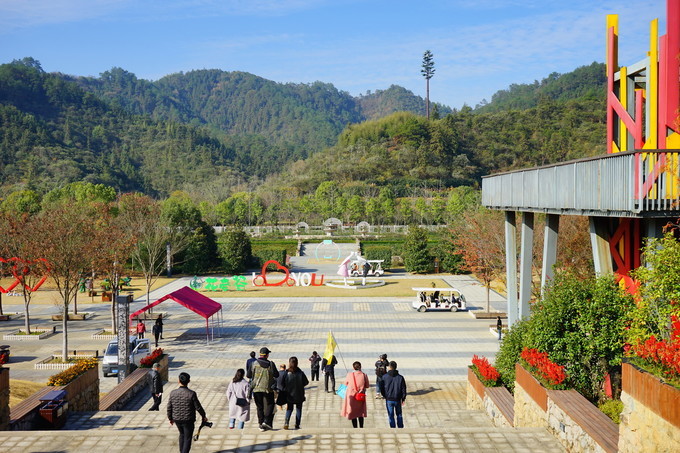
x=210, y=133
x=584, y=83
x=405, y=152
x=52, y=133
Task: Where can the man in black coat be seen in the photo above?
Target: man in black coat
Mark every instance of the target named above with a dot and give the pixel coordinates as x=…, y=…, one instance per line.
x=328, y=367
x=156, y=386
x=182, y=407
x=393, y=389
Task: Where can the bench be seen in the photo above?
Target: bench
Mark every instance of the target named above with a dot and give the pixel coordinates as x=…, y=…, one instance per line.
x=595, y=423
x=125, y=391
x=23, y=416
x=504, y=401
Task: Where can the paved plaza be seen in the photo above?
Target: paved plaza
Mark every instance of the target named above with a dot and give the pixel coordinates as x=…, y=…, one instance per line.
x=433, y=351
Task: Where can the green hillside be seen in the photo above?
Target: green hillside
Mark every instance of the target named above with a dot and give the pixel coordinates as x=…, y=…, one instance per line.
x=52, y=133
x=584, y=83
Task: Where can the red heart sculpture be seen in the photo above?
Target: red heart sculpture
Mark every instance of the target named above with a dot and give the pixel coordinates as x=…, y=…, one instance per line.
x=279, y=267
x=16, y=280
x=26, y=269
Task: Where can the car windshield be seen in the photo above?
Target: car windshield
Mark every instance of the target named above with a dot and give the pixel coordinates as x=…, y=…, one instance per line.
x=112, y=349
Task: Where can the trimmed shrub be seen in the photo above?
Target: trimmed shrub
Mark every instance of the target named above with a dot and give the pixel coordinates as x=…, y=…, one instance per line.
x=612, y=409
x=261, y=256
x=379, y=252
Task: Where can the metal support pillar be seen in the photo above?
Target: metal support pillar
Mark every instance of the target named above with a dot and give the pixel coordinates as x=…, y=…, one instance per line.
x=123, y=303
x=599, y=240
x=526, y=261
x=511, y=266
x=552, y=228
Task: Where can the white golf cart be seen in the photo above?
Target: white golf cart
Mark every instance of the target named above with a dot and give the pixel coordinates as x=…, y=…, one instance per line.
x=356, y=268
x=438, y=299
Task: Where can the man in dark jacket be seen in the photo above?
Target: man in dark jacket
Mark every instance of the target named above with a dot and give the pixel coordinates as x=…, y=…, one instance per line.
x=156, y=386
x=262, y=374
x=393, y=389
x=182, y=406
x=328, y=367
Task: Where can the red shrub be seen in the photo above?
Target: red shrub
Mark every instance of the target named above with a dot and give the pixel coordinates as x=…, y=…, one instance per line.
x=148, y=361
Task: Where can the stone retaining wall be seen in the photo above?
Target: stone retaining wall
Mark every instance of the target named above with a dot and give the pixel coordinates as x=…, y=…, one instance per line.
x=82, y=393
x=473, y=401
x=568, y=432
x=497, y=418
x=650, y=420
x=530, y=401
x=4, y=398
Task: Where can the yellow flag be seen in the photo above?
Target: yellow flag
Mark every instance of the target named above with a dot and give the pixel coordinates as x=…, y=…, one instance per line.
x=330, y=347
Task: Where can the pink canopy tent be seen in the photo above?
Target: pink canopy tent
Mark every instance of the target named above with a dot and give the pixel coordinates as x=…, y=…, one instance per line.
x=194, y=301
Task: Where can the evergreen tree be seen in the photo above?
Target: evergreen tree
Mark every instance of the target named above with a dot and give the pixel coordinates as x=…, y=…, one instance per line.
x=235, y=250
x=417, y=258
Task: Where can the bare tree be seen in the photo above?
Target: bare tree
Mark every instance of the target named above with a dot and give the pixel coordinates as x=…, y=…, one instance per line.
x=480, y=242
x=70, y=236
x=152, y=235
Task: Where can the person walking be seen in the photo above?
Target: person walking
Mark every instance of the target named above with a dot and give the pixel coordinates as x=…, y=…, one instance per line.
x=499, y=327
x=380, y=370
x=281, y=397
x=156, y=331
x=238, y=396
x=328, y=367
x=141, y=328
x=295, y=383
x=354, y=405
x=159, y=323
x=393, y=389
x=249, y=362
x=156, y=386
x=263, y=372
x=315, y=361
x=182, y=407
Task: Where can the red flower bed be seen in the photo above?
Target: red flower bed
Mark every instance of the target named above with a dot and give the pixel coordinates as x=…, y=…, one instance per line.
x=485, y=371
x=148, y=361
x=539, y=362
x=662, y=355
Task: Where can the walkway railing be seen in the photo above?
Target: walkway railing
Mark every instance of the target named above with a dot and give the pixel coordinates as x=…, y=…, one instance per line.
x=634, y=183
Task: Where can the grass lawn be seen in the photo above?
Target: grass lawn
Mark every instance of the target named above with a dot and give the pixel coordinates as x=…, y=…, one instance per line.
x=392, y=288
x=48, y=294
x=20, y=390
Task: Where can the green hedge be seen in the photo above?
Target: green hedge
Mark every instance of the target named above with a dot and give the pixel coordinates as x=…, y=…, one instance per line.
x=261, y=256
x=379, y=252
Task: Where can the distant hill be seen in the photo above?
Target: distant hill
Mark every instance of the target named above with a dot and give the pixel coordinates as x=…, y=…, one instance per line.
x=295, y=119
x=584, y=83
x=52, y=132
x=382, y=103
x=208, y=132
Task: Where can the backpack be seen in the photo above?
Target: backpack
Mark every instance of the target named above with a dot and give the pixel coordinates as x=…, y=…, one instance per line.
x=263, y=378
x=380, y=368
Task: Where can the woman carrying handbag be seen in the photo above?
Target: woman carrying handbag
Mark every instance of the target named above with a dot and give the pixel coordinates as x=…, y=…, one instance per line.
x=354, y=403
x=238, y=395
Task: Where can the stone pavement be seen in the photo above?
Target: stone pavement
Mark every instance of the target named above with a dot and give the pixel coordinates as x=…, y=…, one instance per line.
x=432, y=349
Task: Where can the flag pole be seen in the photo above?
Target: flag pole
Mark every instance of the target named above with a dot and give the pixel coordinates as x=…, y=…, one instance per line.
x=340, y=354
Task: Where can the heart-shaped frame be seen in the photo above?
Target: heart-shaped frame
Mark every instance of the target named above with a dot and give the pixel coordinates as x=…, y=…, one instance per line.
x=16, y=280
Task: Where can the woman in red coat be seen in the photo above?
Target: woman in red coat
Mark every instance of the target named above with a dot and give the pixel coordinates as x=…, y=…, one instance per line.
x=353, y=409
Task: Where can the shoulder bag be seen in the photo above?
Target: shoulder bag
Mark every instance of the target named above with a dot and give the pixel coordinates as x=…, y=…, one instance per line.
x=360, y=395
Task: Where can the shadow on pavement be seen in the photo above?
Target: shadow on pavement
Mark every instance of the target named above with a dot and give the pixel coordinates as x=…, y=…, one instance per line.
x=268, y=445
x=423, y=391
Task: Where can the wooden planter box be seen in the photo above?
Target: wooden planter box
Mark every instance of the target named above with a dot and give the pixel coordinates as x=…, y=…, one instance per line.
x=651, y=412
x=476, y=383
x=535, y=389
x=659, y=397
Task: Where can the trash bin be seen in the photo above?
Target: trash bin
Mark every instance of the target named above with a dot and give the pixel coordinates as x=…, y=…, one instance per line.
x=4, y=354
x=54, y=410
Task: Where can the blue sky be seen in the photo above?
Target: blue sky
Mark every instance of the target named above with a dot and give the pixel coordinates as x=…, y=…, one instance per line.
x=479, y=46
